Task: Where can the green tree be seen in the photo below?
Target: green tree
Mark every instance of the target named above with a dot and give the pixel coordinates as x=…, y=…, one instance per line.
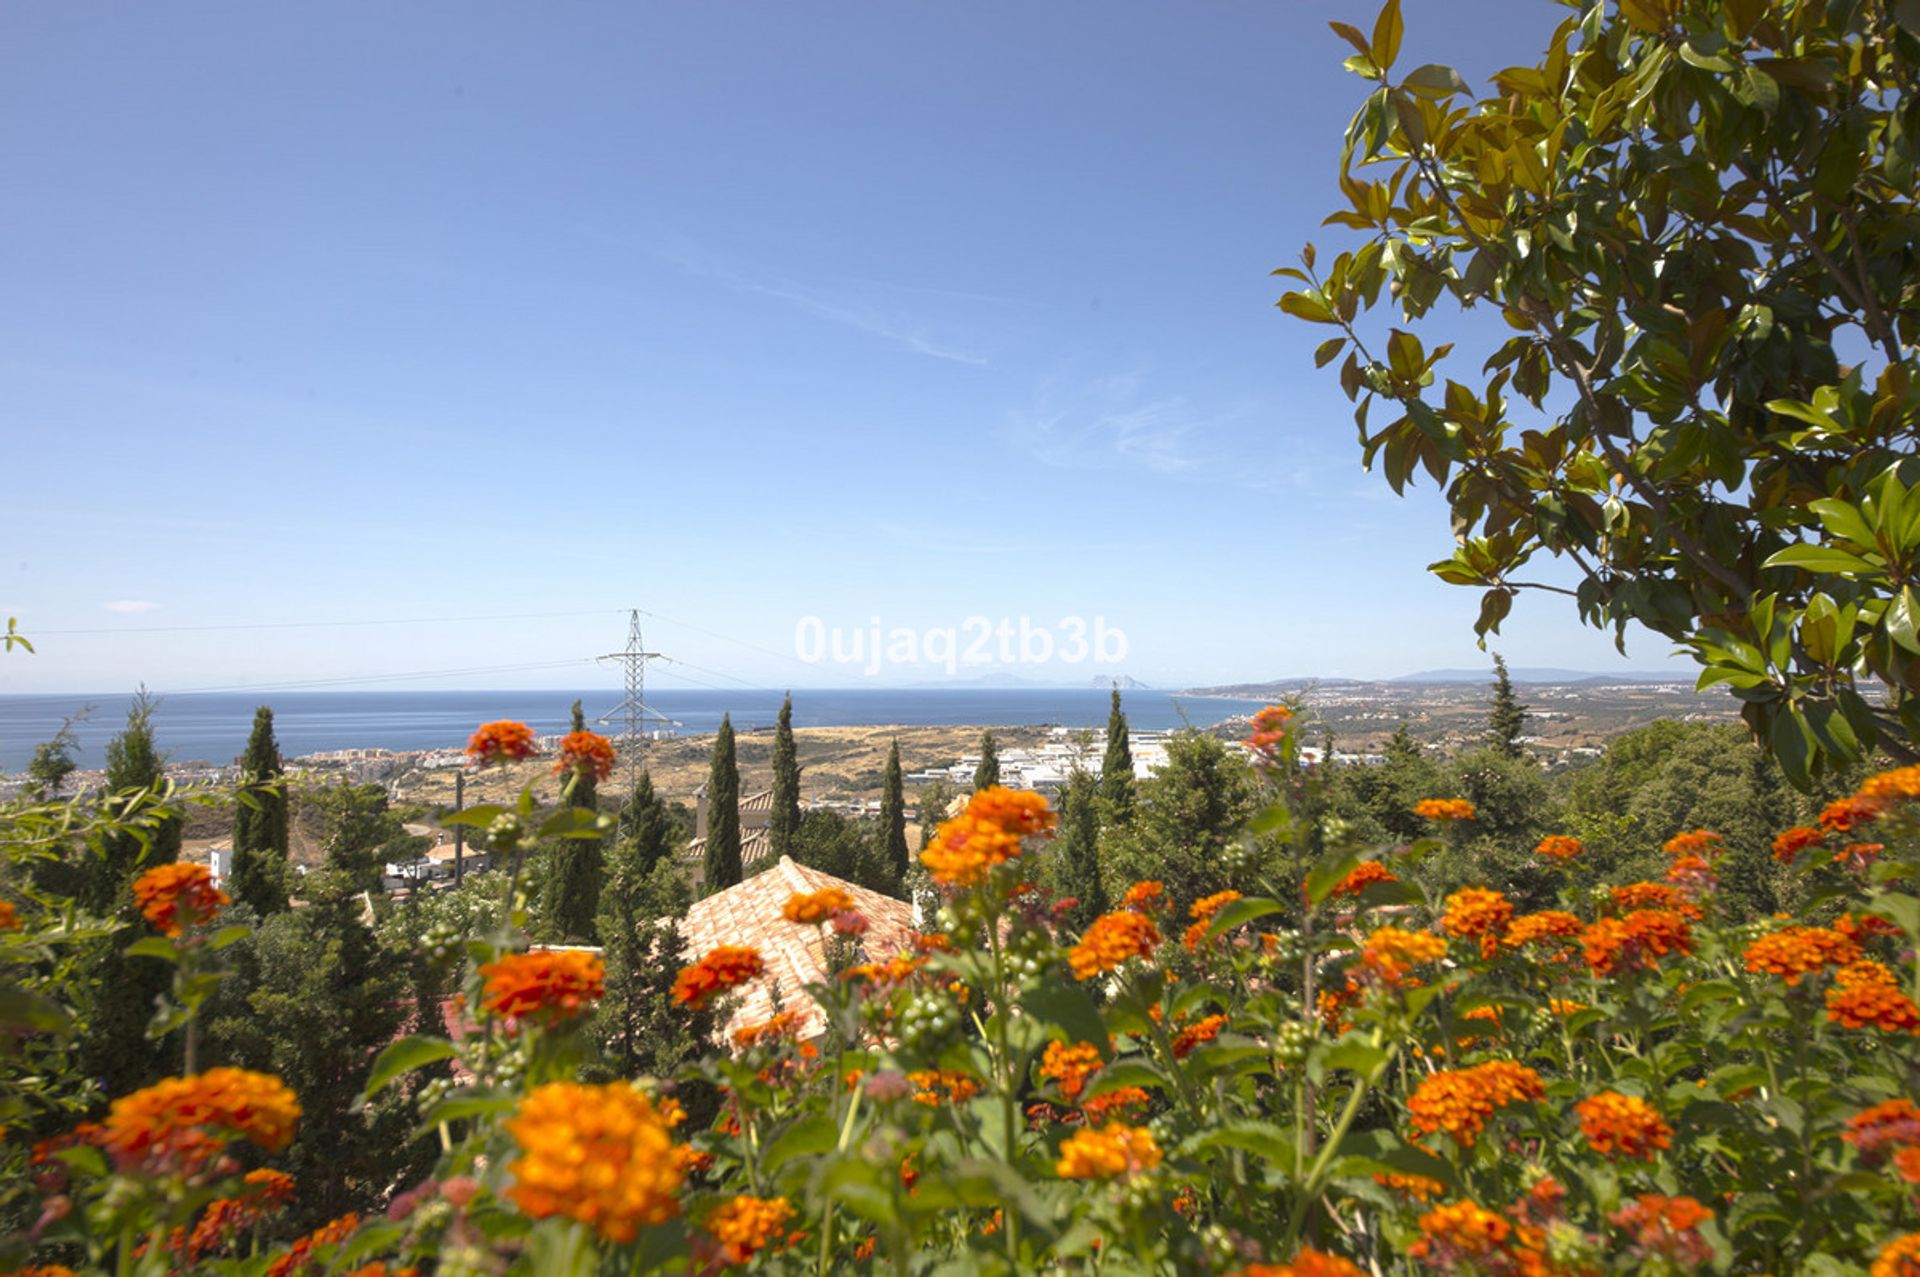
x=987, y=774
x=784, y=820
x=641, y=1029
x=649, y=833
x=121, y=992
x=575, y=865
x=1184, y=819
x=1075, y=856
x=721, y=868
x=1387, y=792
x=260, y=823
x=1697, y=217
x=1506, y=717
x=358, y=832
x=932, y=808
x=893, y=820
x=1116, y=770
x=847, y=849
x=53, y=760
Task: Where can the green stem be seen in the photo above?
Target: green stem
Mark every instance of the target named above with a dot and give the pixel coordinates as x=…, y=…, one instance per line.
x=1004, y=1065
x=1317, y=1173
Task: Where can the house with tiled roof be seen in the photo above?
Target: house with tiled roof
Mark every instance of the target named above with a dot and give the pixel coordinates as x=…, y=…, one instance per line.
x=748, y=913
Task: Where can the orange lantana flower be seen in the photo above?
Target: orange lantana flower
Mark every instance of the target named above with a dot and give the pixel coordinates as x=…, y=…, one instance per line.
x=1460, y=1101
x=806, y=907
x=1308, y=1263
x=1619, y=1125
x=1444, y=809
x=177, y=896
x=1635, y=942
x=724, y=967
x=1695, y=842
x=1546, y=925
x=601, y=1155
x=1196, y=1034
x=586, y=753
x=1477, y=912
x=1794, y=952
x=180, y=1120
x=745, y=1225
x=1113, y=1151
x=1845, y=814
x=1864, y=996
x=299, y=1257
x=1110, y=940
x=504, y=741
x=1142, y=897
x=1364, y=875
x=546, y=985
x=1202, y=912
x=1789, y=843
x=1070, y=1065
x=1560, y=847
x=989, y=833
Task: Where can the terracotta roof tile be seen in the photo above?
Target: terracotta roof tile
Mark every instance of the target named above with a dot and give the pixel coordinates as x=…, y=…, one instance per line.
x=748, y=913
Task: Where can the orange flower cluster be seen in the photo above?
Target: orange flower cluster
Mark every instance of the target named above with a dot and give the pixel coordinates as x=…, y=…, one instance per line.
x=44, y=1270
x=1417, y=1187
x=1695, y=842
x=1070, y=1066
x=1565, y=1006
x=1619, y=1125
x=299, y=1256
x=1197, y=1034
x=1308, y=1263
x=1898, y=1258
x=1788, y=844
x=186, y=1118
x=1843, y=815
x=725, y=967
x=747, y=1225
x=503, y=742
x=1794, y=952
x=1460, y=1233
x=1637, y=941
x=1654, y=895
x=1460, y=1101
x=809, y=907
x=227, y=1217
x=1547, y=924
x=379, y=1268
x=1142, y=897
x=601, y=1155
x=546, y=986
x=1390, y=952
x=586, y=754
x=989, y=833
x=1110, y=940
x=1202, y=912
x=1105, y=1105
x=1864, y=995
x=1890, y=1123
x=9, y=916
x=1444, y=809
x=1364, y=875
x=784, y=1024
x=943, y=1086
x=1902, y=784
x=176, y=896
x=1269, y=732
x=1667, y=1227
x=1114, y=1150
x=1559, y=847
x=1478, y=912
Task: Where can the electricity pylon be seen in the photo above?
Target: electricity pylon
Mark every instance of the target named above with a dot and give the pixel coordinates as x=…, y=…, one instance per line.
x=634, y=712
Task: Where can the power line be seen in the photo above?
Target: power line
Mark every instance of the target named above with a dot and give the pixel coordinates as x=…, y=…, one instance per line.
x=313, y=625
x=728, y=638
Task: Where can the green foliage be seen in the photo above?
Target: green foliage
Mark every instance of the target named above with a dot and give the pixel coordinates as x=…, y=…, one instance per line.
x=1692, y=214
x=1506, y=716
x=784, y=820
x=1387, y=792
x=1074, y=859
x=1116, y=769
x=649, y=832
x=893, y=821
x=53, y=760
x=845, y=848
x=259, y=874
x=641, y=1030
x=358, y=832
x=574, y=865
x=721, y=868
x=987, y=774
x=1184, y=819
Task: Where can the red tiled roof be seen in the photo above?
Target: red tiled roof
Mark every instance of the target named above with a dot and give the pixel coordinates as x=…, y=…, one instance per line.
x=748, y=913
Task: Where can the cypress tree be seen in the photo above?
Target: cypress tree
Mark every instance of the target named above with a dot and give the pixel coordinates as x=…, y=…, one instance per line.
x=259, y=875
x=114, y=1047
x=647, y=833
x=721, y=868
x=784, y=821
x=1116, y=771
x=987, y=774
x=575, y=864
x=1078, y=850
x=1506, y=716
x=893, y=819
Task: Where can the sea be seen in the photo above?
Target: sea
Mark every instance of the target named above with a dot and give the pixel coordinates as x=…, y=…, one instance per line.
x=212, y=726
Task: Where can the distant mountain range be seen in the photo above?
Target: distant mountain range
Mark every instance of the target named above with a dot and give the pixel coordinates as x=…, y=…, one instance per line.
x=1540, y=676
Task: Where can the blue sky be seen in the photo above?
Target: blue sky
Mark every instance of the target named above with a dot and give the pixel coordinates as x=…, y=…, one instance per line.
x=741, y=313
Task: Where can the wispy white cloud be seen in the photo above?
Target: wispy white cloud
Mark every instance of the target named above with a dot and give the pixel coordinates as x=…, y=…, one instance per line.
x=856, y=307
x=130, y=606
x=1114, y=422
